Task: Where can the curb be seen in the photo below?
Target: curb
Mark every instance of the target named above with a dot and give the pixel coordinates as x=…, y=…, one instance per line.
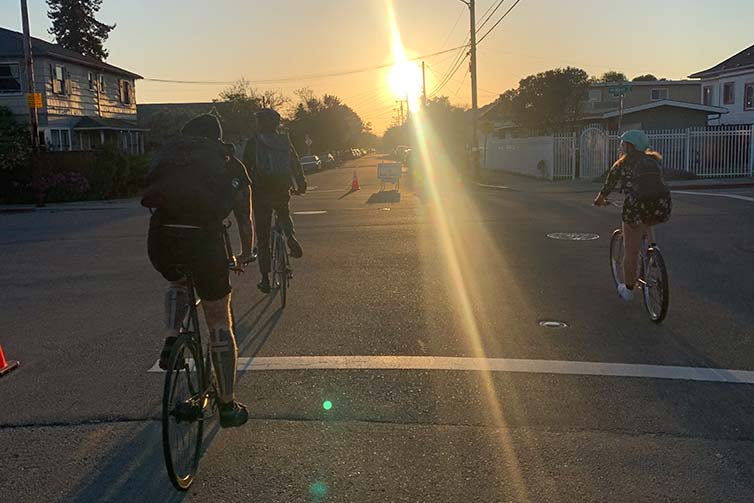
x=741, y=185
x=54, y=209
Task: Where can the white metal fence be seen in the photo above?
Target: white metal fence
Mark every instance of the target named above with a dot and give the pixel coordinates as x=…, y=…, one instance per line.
x=550, y=157
x=712, y=152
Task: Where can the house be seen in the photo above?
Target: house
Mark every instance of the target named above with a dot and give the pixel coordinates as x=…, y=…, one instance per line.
x=648, y=105
x=86, y=103
x=730, y=85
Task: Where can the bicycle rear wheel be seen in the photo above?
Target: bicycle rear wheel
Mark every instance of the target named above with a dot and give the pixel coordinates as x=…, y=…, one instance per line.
x=657, y=290
x=182, y=410
x=616, y=256
x=281, y=269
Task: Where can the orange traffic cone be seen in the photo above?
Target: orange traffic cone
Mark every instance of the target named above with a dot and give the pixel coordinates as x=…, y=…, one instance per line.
x=6, y=366
x=355, y=182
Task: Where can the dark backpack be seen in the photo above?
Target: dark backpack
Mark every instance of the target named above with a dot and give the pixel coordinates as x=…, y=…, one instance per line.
x=647, y=181
x=273, y=155
x=190, y=180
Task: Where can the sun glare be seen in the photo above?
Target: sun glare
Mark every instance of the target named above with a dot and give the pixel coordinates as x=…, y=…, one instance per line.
x=405, y=77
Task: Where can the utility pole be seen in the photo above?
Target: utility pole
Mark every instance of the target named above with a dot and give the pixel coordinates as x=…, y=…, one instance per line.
x=474, y=98
x=401, y=115
x=33, y=118
x=424, y=87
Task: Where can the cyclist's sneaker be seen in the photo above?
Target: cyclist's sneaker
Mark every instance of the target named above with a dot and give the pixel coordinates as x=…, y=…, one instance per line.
x=166, y=349
x=264, y=285
x=233, y=414
x=295, y=247
x=625, y=293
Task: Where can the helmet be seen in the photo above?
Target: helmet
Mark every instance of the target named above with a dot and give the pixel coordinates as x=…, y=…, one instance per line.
x=205, y=126
x=637, y=138
x=267, y=114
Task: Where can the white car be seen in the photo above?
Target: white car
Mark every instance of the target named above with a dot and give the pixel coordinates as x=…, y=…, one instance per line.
x=311, y=163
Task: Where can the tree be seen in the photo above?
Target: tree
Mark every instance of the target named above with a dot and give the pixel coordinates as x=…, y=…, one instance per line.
x=238, y=103
x=645, y=78
x=613, y=76
x=75, y=27
x=547, y=100
x=330, y=123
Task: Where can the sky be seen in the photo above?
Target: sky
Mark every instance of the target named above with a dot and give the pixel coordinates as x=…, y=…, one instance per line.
x=290, y=40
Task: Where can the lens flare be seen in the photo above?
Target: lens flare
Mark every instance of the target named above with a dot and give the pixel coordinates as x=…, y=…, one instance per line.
x=327, y=405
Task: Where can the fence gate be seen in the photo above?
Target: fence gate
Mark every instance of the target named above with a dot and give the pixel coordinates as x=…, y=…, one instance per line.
x=594, y=152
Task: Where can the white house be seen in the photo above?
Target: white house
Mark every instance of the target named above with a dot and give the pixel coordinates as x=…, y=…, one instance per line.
x=730, y=85
x=85, y=102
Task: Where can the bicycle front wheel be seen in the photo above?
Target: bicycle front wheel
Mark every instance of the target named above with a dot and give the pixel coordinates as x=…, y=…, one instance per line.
x=616, y=256
x=657, y=289
x=182, y=413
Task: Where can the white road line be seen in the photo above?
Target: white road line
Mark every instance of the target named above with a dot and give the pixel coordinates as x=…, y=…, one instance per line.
x=314, y=212
x=714, y=194
x=487, y=186
x=492, y=365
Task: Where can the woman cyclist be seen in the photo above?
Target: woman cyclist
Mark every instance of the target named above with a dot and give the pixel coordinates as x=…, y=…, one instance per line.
x=647, y=201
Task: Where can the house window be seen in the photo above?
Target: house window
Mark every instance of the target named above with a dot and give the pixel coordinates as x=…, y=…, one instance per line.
x=60, y=140
x=659, y=94
x=729, y=97
x=125, y=92
x=92, y=81
x=102, y=83
x=749, y=96
x=10, y=78
x=58, y=79
x=707, y=95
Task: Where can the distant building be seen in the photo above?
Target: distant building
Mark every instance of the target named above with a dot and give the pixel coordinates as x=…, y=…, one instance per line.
x=730, y=85
x=85, y=102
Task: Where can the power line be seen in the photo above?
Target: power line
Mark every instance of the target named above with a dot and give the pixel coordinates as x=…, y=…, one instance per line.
x=487, y=19
x=498, y=21
x=313, y=76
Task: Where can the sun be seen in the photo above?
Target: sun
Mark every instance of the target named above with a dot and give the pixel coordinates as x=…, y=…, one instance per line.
x=405, y=80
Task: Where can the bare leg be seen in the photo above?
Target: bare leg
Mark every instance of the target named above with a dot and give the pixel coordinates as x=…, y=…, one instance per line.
x=223, y=347
x=632, y=236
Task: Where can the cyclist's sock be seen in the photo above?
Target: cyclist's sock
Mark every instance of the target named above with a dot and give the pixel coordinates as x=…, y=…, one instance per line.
x=224, y=355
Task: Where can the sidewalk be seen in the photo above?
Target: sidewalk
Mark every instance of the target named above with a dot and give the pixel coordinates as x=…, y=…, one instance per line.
x=115, y=204
x=519, y=183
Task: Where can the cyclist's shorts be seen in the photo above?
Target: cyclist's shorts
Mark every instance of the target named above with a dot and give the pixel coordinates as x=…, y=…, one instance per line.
x=202, y=251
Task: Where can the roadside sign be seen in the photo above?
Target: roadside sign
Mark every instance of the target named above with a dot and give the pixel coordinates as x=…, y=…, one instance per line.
x=618, y=91
x=34, y=100
x=308, y=141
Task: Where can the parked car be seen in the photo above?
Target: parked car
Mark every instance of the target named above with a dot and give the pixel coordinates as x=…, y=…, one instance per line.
x=328, y=161
x=311, y=163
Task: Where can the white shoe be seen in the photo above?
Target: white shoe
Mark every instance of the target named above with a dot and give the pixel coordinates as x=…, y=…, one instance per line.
x=624, y=293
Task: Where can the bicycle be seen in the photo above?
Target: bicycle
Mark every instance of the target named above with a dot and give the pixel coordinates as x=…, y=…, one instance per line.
x=281, y=269
x=652, y=275
x=195, y=402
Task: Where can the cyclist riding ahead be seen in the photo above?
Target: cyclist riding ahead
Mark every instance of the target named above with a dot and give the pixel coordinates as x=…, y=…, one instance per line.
x=193, y=186
x=275, y=171
x=647, y=201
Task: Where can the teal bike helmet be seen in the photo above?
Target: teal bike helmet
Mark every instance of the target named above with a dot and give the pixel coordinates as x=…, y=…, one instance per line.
x=637, y=138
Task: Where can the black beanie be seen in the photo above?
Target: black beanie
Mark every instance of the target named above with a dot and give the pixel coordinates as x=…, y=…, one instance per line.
x=205, y=126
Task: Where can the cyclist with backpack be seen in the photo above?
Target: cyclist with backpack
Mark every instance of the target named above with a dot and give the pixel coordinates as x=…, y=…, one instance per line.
x=647, y=201
x=193, y=185
x=275, y=172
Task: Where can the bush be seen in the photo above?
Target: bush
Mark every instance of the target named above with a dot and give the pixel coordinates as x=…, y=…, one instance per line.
x=62, y=187
x=15, y=155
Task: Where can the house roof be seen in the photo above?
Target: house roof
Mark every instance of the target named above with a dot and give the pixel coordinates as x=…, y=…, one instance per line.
x=742, y=61
x=667, y=103
x=653, y=83
x=11, y=45
x=100, y=123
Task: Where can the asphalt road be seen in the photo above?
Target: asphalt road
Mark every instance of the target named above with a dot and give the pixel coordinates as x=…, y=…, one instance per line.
x=435, y=272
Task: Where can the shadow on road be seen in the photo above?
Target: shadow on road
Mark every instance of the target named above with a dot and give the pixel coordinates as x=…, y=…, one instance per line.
x=385, y=196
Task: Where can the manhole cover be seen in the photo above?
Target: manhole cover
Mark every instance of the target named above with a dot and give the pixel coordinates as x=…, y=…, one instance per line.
x=552, y=324
x=318, y=212
x=573, y=236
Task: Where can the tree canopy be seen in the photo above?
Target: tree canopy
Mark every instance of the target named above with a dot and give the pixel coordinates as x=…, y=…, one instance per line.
x=75, y=27
x=613, y=76
x=330, y=123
